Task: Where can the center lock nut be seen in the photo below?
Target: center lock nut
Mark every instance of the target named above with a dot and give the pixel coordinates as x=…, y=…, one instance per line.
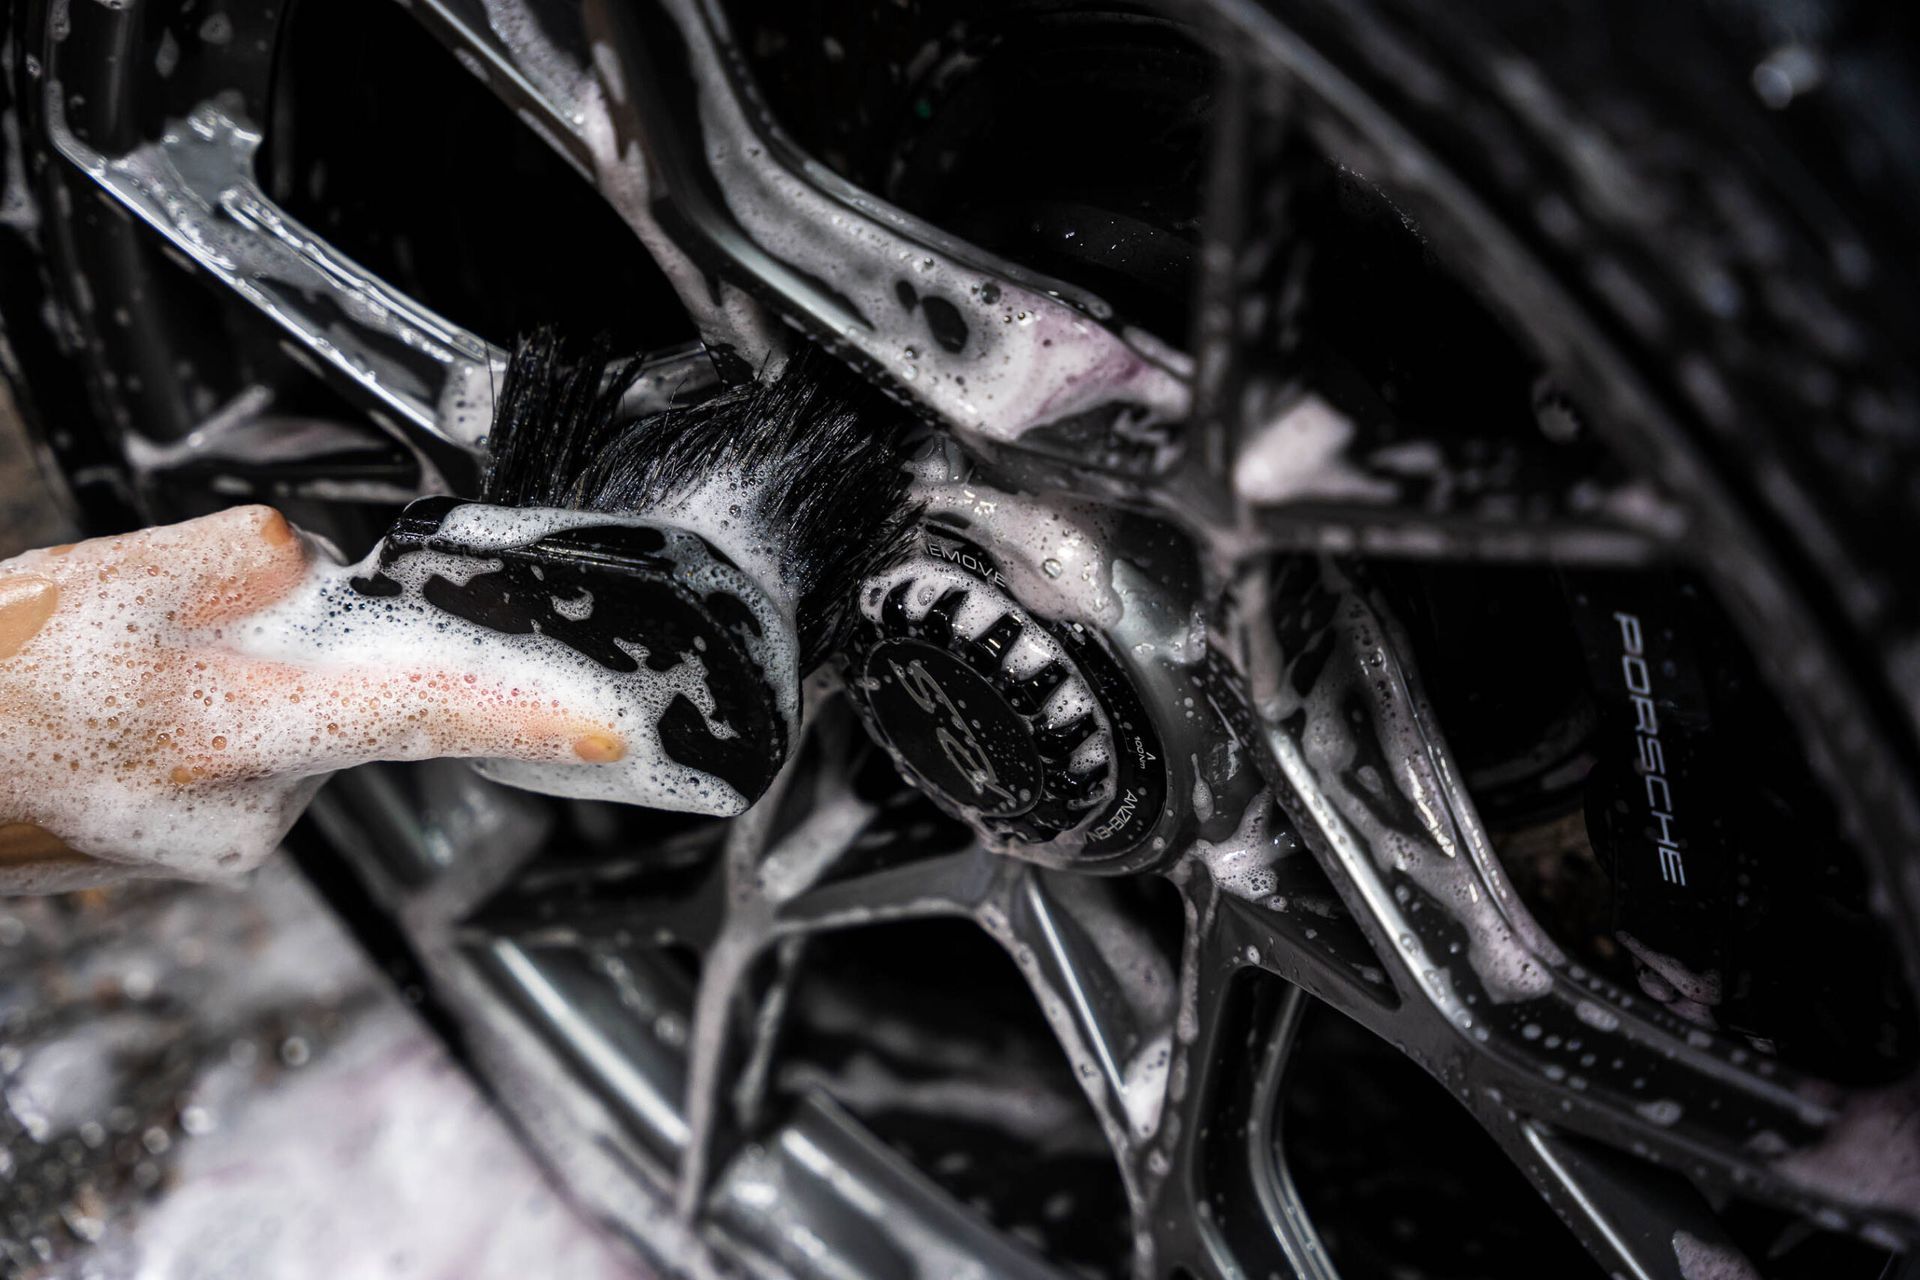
x=1025, y=728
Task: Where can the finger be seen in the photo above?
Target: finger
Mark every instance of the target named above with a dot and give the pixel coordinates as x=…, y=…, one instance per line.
x=230, y=564
x=27, y=601
x=244, y=718
x=27, y=844
x=198, y=572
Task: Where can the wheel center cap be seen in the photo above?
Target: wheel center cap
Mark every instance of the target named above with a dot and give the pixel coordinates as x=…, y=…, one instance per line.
x=953, y=729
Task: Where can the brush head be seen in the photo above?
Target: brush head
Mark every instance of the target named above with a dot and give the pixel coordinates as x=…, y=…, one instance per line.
x=796, y=476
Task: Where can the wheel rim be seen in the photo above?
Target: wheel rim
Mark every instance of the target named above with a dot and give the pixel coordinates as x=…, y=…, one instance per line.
x=1427, y=945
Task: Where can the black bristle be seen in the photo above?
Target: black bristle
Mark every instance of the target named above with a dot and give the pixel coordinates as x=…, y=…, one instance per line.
x=819, y=447
x=558, y=405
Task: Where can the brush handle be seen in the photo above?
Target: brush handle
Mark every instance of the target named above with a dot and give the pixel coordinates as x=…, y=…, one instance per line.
x=651, y=609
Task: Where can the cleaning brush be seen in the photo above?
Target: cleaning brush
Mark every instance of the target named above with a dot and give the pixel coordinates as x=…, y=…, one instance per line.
x=697, y=561
x=797, y=477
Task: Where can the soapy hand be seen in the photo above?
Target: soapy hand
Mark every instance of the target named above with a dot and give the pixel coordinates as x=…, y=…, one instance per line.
x=141, y=739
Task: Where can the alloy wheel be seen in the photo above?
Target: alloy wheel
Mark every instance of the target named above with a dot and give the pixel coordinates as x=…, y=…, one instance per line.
x=1303, y=524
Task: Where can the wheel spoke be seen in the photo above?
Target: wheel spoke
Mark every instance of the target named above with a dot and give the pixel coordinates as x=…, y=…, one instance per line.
x=714, y=1047
x=195, y=186
x=672, y=894
x=817, y=1157
x=624, y=1060
x=1374, y=794
x=1279, y=911
x=1222, y=1205
x=1637, y=1222
x=246, y=450
x=801, y=857
x=660, y=118
x=1272, y=1179
x=840, y=266
x=1350, y=475
x=943, y=885
x=765, y=862
x=875, y=858
x=1109, y=997
x=1111, y=1000
x=532, y=54
x=1250, y=260
x=409, y=826
x=731, y=187
x=1698, y=1106
x=756, y=1074
x=825, y=1162
x=1292, y=447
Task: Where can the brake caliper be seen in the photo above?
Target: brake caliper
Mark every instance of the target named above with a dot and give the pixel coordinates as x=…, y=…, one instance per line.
x=1654, y=795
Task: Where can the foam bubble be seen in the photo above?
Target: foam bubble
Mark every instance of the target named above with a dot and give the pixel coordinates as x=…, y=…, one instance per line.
x=1244, y=863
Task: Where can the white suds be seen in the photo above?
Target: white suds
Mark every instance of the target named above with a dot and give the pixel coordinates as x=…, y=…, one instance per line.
x=1243, y=864
x=1691, y=995
x=1302, y=454
x=1702, y=1260
x=1869, y=1154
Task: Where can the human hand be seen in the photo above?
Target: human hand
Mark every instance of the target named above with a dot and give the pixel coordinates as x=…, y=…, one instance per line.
x=142, y=739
